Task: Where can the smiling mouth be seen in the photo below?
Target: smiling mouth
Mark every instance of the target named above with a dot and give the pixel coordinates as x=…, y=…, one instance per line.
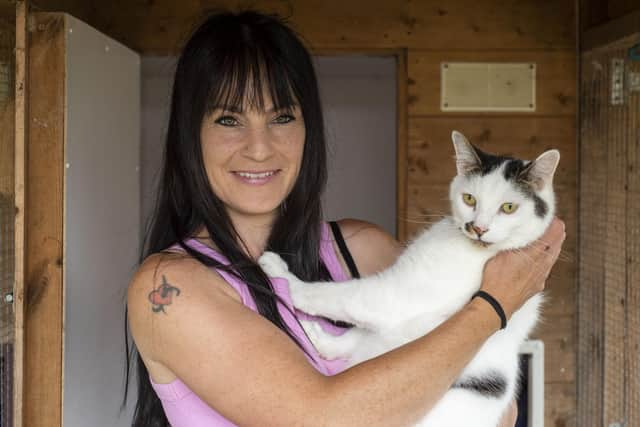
x=256, y=177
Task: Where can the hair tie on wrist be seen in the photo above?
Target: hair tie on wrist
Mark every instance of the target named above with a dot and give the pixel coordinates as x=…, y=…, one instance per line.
x=495, y=304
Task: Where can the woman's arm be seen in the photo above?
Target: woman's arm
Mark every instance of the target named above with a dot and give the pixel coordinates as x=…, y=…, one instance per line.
x=251, y=372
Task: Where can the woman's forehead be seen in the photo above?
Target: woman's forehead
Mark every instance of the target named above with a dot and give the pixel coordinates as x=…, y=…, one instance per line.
x=251, y=93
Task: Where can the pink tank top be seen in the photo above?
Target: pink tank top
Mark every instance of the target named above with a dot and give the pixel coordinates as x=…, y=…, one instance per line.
x=183, y=407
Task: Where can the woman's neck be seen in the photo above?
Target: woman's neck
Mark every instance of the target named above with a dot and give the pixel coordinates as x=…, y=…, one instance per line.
x=254, y=231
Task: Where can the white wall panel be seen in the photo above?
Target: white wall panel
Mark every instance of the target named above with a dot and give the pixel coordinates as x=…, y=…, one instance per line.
x=102, y=221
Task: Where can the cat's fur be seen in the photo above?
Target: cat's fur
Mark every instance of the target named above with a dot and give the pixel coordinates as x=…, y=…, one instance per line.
x=436, y=276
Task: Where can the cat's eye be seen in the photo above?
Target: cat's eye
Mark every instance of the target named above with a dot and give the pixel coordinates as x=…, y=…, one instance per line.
x=468, y=199
x=509, y=207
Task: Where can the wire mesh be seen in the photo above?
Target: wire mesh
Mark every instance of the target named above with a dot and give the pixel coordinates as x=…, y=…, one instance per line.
x=7, y=71
x=609, y=276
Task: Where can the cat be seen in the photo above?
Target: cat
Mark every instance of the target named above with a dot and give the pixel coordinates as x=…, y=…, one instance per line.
x=497, y=203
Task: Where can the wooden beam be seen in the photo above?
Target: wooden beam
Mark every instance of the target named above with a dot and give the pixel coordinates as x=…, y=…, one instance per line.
x=162, y=26
x=611, y=31
x=20, y=186
x=44, y=198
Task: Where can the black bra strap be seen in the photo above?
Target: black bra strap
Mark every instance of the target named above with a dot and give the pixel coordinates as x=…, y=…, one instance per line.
x=337, y=234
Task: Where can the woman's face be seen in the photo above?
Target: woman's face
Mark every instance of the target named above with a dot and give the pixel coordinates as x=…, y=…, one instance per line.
x=252, y=157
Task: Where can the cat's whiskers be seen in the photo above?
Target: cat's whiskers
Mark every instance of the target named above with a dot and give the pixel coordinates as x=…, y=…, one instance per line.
x=519, y=251
x=564, y=255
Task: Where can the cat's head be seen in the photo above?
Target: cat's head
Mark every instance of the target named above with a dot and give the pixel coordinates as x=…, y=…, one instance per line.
x=501, y=202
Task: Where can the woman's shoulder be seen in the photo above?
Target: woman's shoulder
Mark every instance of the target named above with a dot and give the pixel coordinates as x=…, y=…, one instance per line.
x=165, y=280
x=372, y=247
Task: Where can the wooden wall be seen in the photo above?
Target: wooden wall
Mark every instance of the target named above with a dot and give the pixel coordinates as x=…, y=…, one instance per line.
x=428, y=32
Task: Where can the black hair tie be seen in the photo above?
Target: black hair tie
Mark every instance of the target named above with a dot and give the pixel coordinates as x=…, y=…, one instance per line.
x=495, y=304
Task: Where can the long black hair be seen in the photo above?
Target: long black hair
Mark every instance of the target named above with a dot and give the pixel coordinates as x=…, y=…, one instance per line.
x=230, y=60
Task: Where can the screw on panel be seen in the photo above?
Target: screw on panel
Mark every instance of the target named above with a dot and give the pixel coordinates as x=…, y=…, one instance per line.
x=8, y=298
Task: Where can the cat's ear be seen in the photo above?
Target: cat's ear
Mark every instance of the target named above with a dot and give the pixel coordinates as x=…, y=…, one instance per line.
x=467, y=160
x=539, y=173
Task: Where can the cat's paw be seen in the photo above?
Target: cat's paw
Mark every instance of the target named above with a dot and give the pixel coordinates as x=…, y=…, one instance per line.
x=273, y=265
x=321, y=340
x=313, y=331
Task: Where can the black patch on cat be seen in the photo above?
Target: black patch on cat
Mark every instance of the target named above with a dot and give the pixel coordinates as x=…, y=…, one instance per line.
x=516, y=171
x=488, y=162
x=493, y=385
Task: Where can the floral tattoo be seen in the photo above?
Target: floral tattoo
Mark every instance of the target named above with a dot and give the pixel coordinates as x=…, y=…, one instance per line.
x=162, y=296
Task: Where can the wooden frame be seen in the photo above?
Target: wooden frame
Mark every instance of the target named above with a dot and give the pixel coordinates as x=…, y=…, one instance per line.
x=43, y=197
x=19, y=192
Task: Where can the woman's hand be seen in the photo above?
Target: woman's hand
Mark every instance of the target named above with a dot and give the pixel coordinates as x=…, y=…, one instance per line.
x=510, y=416
x=512, y=277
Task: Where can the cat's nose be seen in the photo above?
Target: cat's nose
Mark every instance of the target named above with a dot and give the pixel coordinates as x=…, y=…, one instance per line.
x=479, y=230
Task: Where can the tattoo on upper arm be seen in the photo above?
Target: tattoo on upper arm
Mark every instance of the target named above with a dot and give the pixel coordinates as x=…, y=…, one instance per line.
x=162, y=296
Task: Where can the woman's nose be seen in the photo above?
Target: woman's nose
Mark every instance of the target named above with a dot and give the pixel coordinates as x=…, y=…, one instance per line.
x=259, y=146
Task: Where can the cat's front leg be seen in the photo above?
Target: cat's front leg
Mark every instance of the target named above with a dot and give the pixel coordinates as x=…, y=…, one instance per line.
x=333, y=346
x=336, y=301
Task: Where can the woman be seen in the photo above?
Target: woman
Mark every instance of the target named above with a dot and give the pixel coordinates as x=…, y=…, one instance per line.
x=243, y=172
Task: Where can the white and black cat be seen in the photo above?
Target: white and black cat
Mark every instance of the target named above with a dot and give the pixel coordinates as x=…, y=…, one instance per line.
x=498, y=203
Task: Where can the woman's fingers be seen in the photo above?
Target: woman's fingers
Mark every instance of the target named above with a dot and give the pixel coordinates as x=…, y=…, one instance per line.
x=515, y=276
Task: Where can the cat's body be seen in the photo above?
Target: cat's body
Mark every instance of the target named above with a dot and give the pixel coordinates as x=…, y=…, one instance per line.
x=436, y=276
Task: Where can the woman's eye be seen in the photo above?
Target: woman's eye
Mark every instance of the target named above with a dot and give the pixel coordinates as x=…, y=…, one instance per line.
x=284, y=118
x=468, y=199
x=227, y=121
x=509, y=207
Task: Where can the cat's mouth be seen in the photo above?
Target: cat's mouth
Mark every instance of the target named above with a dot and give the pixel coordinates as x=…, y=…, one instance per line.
x=481, y=242
x=477, y=240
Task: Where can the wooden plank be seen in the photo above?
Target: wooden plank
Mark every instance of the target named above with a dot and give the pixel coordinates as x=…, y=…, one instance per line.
x=19, y=230
x=560, y=406
x=555, y=79
x=402, y=146
x=44, y=308
x=431, y=150
x=160, y=27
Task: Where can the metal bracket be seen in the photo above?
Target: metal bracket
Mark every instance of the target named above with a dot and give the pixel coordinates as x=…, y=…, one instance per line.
x=617, y=81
